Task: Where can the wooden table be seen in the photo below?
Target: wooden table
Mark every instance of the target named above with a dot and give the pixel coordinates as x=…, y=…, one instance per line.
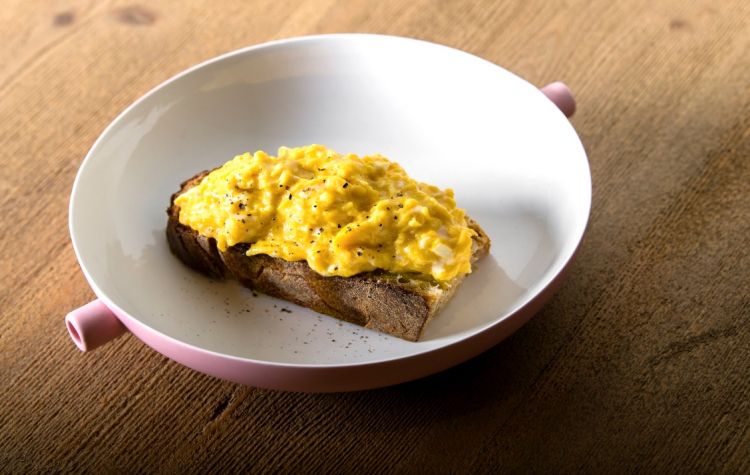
x=640, y=364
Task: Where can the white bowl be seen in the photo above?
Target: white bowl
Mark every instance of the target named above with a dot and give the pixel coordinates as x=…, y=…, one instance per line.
x=449, y=118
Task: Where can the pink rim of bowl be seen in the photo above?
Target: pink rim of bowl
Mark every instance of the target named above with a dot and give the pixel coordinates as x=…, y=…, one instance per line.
x=100, y=322
x=292, y=378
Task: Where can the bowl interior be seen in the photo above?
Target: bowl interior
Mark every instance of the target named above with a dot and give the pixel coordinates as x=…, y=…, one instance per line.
x=450, y=118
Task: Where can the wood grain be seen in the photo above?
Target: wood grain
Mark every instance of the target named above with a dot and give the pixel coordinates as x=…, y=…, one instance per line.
x=638, y=365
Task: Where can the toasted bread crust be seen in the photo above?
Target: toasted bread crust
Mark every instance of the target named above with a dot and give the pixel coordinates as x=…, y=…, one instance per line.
x=185, y=243
x=368, y=299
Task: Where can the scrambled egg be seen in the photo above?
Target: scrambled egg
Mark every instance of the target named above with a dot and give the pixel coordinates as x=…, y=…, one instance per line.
x=341, y=213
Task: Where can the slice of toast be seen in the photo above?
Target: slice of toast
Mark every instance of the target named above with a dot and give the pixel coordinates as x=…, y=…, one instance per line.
x=397, y=304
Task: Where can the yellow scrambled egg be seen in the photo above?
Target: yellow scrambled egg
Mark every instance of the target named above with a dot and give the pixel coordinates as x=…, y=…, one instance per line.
x=341, y=213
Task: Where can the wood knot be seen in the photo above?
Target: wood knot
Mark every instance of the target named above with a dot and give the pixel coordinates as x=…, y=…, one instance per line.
x=64, y=18
x=677, y=24
x=135, y=15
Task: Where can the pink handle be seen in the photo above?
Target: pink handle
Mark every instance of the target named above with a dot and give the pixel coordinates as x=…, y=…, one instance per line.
x=561, y=96
x=93, y=325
